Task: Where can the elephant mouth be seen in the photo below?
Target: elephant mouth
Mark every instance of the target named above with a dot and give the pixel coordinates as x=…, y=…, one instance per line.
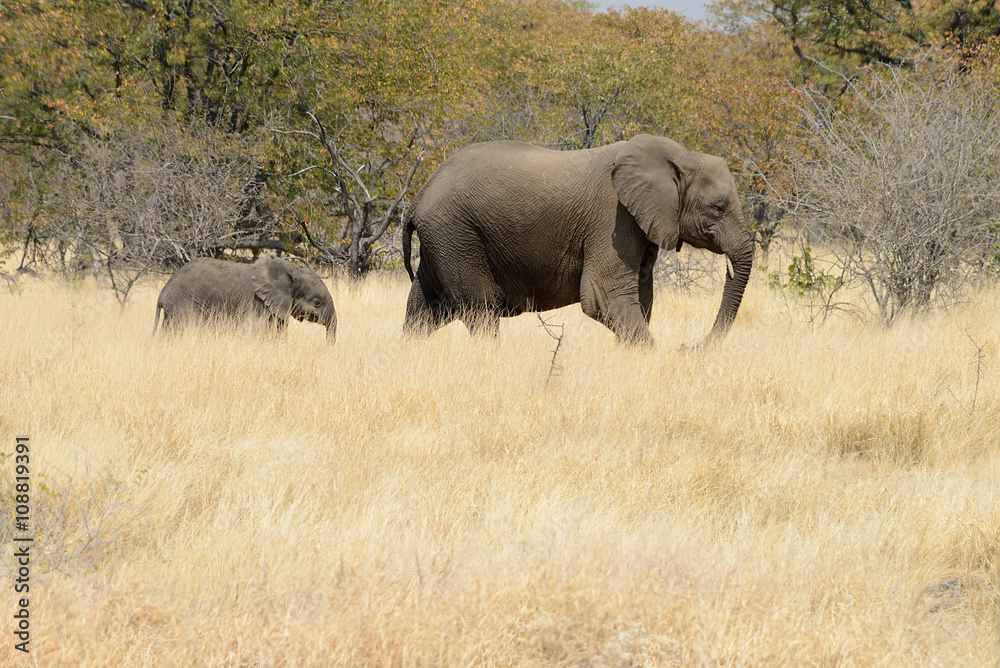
x=303, y=316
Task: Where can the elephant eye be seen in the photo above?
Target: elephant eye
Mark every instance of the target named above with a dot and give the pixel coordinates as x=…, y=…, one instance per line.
x=316, y=301
x=717, y=209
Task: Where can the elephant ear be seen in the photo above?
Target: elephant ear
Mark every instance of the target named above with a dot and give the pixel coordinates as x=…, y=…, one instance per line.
x=647, y=176
x=272, y=281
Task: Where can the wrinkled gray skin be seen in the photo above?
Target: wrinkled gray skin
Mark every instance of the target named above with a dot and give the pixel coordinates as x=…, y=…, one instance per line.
x=270, y=289
x=506, y=227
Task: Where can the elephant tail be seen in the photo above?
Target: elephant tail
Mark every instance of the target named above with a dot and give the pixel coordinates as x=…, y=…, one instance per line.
x=156, y=325
x=407, y=245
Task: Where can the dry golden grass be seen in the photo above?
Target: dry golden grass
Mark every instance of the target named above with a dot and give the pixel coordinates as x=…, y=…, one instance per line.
x=799, y=495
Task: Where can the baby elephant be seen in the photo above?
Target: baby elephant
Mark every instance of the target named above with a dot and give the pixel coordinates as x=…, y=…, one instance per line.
x=270, y=289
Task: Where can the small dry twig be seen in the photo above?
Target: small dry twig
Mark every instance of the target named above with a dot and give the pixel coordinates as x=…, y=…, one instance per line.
x=554, y=369
x=980, y=355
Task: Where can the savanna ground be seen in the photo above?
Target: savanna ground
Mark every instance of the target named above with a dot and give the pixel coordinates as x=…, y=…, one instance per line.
x=799, y=495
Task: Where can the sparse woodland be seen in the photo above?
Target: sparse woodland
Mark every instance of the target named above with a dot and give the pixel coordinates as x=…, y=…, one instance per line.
x=819, y=488
x=139, y=135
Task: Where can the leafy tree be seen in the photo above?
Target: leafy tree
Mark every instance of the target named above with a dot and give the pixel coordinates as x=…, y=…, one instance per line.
x=374, y=100
x=561, y=75
x=81, y=74
x=379, y=77
x=844, y=35
x=834, y=34
x=967, y=26
x=743, y=106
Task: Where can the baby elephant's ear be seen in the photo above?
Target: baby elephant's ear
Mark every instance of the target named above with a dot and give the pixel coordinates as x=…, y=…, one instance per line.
x=272, y=281
x=646, y=176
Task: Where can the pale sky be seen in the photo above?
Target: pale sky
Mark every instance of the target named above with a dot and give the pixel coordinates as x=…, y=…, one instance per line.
x=693, y=9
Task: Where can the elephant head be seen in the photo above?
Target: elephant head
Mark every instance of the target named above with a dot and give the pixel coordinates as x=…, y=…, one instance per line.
x=679, y=196
x=290, y=290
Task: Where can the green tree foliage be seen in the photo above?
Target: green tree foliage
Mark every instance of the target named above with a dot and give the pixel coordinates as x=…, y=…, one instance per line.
x=89, y=64
x=743, y=105
x=80, y=73
x=965, y=25
x=845, y=34
x=373, y=97
x=561, y=75
x=377, y=73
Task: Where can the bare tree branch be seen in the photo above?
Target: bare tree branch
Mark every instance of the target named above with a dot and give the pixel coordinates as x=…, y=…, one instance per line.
x=387, y=219
x=332, y=256
x=903, y=188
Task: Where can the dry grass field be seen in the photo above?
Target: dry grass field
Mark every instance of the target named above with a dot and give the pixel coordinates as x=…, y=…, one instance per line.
x=799, y=495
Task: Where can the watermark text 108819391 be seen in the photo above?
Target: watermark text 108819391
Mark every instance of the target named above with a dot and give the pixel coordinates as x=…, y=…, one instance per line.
x=22, y=543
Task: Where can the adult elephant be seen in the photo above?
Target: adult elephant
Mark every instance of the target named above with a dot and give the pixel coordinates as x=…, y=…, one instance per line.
x=270, y=289
x=506, y=227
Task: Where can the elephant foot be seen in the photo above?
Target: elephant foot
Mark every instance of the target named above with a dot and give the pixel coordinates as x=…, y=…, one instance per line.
x=482, y=324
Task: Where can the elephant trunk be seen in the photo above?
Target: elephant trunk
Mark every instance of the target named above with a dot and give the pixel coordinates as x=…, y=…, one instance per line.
x=329, y=319
x=740, y=258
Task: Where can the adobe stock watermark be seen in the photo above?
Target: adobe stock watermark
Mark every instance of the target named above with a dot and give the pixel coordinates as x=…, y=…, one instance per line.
x=22, y=543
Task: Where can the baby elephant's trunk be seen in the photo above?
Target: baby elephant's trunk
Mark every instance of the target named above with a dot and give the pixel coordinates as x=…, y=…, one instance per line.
x=330, y=322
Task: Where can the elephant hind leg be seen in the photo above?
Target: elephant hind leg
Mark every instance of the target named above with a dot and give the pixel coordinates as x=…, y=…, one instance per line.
x=484, y=321
x=425, y=311
x=169, y=322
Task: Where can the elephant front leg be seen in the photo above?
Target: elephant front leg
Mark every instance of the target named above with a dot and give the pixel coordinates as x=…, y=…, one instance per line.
x=619, y=311
x=646, y=281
